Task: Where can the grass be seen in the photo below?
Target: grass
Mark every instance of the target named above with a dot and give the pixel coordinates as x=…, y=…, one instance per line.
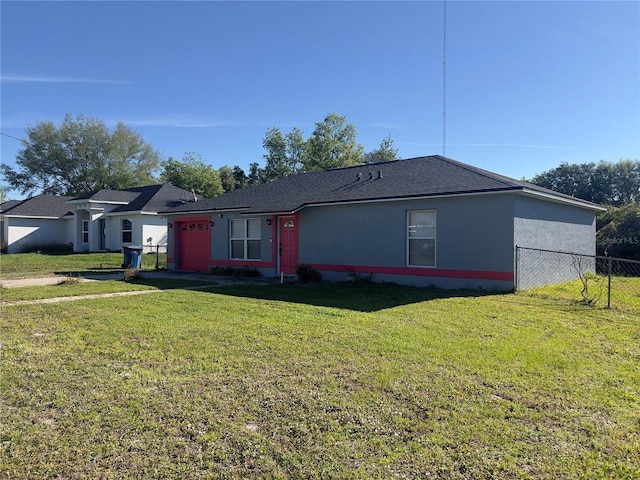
x=24, y=265
x=327, y=381
x=76, y=289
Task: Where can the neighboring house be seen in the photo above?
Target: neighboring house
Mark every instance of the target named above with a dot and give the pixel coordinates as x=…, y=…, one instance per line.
x=111, y=219
x=422, y=221
x=4, y=206
x=99, y=221
x=36, y=222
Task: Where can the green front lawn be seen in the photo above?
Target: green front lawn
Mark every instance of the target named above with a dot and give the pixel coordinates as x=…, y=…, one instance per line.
x=70, y=287
x=24, y=265
x=326, y=381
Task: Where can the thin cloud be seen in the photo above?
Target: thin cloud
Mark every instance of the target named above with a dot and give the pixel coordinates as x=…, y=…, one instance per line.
x=389, y=126
x=180, y=122
x=51, y=79
x=490, y=145
x=508, y=145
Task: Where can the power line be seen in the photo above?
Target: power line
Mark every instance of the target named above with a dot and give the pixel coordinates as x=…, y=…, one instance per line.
x=15, y=138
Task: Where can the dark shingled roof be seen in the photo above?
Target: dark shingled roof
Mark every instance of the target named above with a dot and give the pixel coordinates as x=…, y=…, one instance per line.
x=417, y=177
x=156, y=198
x=9, y=204
x=152, y=198
x=107, y=195
x=41, y=206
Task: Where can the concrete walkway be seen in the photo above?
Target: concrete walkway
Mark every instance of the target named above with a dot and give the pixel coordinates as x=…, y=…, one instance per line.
x=202, y=277
x=31, y=282
x=209, y=281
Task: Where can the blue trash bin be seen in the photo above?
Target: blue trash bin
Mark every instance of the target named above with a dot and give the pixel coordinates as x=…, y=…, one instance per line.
x=132, y=257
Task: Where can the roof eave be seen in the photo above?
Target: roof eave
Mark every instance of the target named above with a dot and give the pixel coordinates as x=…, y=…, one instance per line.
x=404, y=198
x=200, y=212
x=40, y=217
x=576, y=202
x=88, y=200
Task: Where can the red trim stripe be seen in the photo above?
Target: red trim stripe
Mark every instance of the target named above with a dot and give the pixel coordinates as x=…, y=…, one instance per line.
x=420, y=272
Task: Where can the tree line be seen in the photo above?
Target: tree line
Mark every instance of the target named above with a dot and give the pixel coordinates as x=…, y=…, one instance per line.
x=82, y=155
x=606, y=183
x=616, y=185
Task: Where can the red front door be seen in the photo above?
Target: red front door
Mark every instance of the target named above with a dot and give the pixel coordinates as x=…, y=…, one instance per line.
x=288, y=235
x=194, y=245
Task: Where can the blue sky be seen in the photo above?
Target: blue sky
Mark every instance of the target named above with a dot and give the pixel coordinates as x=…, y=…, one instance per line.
x=528, y=84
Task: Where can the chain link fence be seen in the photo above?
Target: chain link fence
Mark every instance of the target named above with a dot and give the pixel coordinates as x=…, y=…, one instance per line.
x=536, y=267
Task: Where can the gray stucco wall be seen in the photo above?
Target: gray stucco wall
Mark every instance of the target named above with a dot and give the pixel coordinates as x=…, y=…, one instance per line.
x=555, y=227
x=473, y=233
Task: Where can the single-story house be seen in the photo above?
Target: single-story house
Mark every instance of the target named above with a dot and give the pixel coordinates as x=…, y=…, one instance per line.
x=36, y=222
x=99, y=221
x=422, y=221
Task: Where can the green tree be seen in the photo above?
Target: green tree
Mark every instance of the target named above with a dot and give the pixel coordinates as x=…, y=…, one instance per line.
x=3, y=194
x=256, y=174
x=606, y=183
x=296, y=147
x=277, y=165
x=626, y=182
x=240, y=177
x=384, y=153
x=570, y=179
x=285, y=153
x=227, y=179
x=619, y=231
x=192, y=173
x=332, y=145
x=80, y=156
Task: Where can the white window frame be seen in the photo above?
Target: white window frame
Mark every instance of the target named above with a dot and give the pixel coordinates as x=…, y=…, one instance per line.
x=422, y=237
x=123, y=230
x=245, y=239
x=85, y=231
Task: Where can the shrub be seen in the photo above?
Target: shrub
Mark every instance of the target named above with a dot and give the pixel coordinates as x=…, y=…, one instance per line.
x=234, y=271
x=131, y=274
x=308, y=274
x=47, y=248
x=353, y=276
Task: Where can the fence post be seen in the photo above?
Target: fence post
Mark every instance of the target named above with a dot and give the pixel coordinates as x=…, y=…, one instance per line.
x=609, y=262
x=157, y=257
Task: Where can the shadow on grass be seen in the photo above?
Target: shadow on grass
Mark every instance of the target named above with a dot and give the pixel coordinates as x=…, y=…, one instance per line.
x=160, y=283
x=362, y=297
x=91, y=272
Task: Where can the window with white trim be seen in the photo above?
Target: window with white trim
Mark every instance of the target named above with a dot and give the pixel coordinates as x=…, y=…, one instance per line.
x=85, y=231
x=245, y=239
x=421, y=238
x=127, y=231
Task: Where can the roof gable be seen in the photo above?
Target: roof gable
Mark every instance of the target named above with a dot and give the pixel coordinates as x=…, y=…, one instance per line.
x=416, y=177
x=151, y=198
